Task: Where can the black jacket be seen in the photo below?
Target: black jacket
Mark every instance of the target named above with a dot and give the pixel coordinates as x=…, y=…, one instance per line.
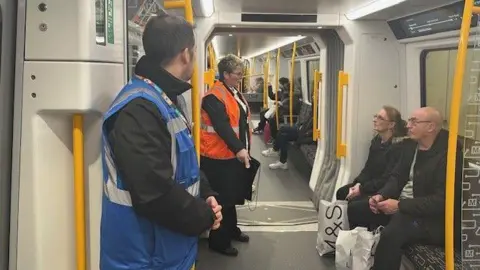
x=382, y=158
x=141, y=143
x=428, y=204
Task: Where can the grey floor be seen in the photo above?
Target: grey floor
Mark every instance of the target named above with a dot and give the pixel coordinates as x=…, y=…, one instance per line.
x=282, y=227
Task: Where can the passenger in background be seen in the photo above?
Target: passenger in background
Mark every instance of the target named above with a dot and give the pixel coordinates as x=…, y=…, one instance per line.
x=301, y=132
x=284, y=110
x=259, y=85
x=284, y=86
x=383, y=155
x=225, y=147
x=155, y=204
x=412, y=203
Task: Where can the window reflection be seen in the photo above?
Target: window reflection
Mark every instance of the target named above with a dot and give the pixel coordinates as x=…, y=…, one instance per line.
x=100, y=24
x=138, y=14
x=312, y=65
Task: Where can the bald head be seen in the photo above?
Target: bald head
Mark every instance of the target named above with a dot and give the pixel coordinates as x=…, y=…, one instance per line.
x=433, y=115
x=425, y=123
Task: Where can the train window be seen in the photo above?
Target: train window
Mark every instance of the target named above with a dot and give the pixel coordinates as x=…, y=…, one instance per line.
x=312, y=65
x=297, y=75
x=100, y=24
x=439, y=69
x=138, y=13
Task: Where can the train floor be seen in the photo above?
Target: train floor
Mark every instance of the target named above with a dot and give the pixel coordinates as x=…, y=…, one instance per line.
x=282, y=225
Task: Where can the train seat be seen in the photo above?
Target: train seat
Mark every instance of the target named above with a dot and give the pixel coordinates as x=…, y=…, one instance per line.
x=303, y=156
x=431, y=257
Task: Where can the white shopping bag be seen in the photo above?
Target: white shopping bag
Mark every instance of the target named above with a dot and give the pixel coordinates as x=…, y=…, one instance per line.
x=364, y=251
x=332, y=217
x=270, y=112
x=343, y=247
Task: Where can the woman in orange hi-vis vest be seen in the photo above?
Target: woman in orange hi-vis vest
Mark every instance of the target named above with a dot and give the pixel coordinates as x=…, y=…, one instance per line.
x=225, y=134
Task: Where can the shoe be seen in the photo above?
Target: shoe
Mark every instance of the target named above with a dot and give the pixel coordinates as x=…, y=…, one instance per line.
x=257, y=131
x=242, y=238
x=270, y=153
x=230, y=251
x=278, y=165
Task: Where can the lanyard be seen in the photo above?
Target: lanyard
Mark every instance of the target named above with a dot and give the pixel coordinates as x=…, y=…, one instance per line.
x=167, y=99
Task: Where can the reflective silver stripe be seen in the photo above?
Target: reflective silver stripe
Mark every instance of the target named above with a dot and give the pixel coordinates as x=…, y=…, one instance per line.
x=113, y=193
x=176, y=125
x=210, y=129
x=134, y=91
x=194, y=189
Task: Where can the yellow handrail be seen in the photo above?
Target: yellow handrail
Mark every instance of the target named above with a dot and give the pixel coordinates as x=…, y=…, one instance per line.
x=317, y=80
x=266, y=74
x=292, y=74
x=171, y=4
x=277, y=86
x=79, y=191
x=187, y=5
x=209, y=77
x=342, y=81
x=453, y=132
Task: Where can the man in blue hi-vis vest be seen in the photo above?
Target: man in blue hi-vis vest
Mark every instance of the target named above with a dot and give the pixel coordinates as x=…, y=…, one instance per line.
x=156, y=201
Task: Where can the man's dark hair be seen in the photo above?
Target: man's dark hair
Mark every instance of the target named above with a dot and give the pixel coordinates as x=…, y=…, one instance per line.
x=165, y=36
x=283, y=80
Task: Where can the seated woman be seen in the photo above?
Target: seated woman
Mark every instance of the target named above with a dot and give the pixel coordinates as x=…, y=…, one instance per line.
x=382, y=156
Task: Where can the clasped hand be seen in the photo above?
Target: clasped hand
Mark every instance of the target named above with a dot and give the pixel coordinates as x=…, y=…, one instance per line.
x=217, y=209
x=379, y=204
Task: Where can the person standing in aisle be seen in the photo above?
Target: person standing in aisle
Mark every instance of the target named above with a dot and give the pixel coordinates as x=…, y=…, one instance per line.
x=225, y=150
x=156, y=202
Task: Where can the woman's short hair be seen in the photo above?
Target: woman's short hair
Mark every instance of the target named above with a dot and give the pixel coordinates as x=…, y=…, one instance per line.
x=229, y=64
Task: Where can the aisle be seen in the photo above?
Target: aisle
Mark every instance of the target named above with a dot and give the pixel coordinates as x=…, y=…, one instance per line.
x=282, y=228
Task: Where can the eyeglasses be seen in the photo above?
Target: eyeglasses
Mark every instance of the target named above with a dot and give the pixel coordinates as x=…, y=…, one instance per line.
x=415, y=121
x=239, y=74
x=379, y=117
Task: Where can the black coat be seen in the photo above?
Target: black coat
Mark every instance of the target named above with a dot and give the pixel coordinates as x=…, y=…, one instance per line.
x=428, y=204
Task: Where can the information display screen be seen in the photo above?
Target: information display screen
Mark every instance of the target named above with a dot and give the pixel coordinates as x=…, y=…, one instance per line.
x=442, y=19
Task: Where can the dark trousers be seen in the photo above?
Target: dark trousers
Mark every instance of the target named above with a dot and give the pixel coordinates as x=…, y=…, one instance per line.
x=285, y=135
x=222, y=238
x=273, y=127
x=343, y=191
x=263, y=120
x=400, y=230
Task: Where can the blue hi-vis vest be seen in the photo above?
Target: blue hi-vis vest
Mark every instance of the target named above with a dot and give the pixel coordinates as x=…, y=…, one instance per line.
x=129, y=241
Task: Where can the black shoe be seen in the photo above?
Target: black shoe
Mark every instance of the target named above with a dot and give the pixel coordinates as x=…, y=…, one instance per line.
x=242, y=238
x=230, y=251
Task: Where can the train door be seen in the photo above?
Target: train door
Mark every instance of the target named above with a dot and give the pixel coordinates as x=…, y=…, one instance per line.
x=7, y=64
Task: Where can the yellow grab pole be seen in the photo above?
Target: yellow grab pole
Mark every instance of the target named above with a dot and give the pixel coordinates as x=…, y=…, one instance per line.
x=266, y=71
x=453, y=134
x=277, y=86
x=342, y=81
x=79, y=191
x=292, y=73
x=317, y=78
x=194, y=81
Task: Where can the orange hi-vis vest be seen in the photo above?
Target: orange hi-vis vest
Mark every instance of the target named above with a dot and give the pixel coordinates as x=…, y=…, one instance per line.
x=211, y=144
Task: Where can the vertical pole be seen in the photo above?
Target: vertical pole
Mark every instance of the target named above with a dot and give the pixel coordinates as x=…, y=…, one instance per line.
x=195, y=93
x=453, y=134
x=79, y=191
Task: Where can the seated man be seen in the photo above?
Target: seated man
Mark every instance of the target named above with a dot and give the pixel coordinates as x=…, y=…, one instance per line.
x=412, y=202
x=301, y=133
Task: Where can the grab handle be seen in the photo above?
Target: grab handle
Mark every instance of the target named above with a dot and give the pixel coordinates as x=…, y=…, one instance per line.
x=317, y=80
x=342, y=82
